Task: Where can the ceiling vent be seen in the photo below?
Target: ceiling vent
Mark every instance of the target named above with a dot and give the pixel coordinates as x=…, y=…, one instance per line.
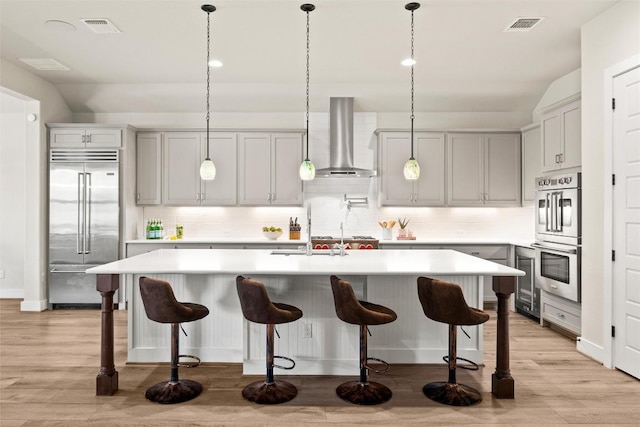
x=101, y=25
x=523, y=24
x=44, y=64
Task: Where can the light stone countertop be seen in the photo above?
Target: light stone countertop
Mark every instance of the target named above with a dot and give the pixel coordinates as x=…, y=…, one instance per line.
x=440, y=262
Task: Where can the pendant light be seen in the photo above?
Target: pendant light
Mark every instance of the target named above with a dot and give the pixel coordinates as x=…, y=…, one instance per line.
x=411, y=167
x=207, y=168
x=307, y=169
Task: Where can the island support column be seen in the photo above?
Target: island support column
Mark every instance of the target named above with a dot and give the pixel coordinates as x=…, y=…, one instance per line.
x=502, y=383
x=107, y=379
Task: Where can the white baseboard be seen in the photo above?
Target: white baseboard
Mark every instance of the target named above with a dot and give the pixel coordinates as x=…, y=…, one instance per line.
x=590, y=349
x=41, y=305
x=12, y=293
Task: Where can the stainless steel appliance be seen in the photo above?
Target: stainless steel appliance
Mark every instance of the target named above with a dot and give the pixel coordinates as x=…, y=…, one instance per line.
x=559, y=234
x=84, y=213
x=353, y=242
x=527, y=295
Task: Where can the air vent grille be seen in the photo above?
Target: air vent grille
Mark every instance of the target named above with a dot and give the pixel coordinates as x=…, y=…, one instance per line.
x=100, y=25
x=524, y=24
x=44, y=64
x=84, y=156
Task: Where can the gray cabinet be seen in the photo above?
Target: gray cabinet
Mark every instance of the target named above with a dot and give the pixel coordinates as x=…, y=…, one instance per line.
x=429, y=150
x=562, y=137
x=561, y=312
x=183, y=152
x=87, y=136
x=148, y=168
x=483, y=169
x=268, y=166
x=531, y=163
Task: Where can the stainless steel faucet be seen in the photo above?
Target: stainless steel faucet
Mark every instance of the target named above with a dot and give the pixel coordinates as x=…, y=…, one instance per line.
x=309, y=247
x=341, y=246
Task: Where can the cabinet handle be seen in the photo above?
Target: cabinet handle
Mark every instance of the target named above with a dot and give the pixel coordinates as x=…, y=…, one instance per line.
x=197, y=196
x=83, y=139
x=560, y=315
x=268, y=197
x=561, y=158
x=411, y=197
x=88, y=139
x=138, y=196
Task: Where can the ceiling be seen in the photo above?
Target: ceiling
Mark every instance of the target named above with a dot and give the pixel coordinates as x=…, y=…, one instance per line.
x=465, y=61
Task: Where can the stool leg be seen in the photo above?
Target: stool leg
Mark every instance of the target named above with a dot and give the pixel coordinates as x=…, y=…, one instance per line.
x=174, y=390
x=269, y=391
x=363, y=392
x=452, y=393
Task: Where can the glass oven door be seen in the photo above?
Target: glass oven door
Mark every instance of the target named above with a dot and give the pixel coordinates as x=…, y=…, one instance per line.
x=558, y=270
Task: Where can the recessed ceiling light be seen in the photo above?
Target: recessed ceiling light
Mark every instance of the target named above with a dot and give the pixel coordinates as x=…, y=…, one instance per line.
x=44, y=64
x=215, y=63
x=408, y=62
x=58, y=25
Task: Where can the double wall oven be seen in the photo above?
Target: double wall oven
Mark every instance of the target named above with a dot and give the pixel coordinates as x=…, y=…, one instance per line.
x=558, y=234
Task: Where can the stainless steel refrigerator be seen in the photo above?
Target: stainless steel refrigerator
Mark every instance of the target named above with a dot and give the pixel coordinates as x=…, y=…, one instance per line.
x=84, y=213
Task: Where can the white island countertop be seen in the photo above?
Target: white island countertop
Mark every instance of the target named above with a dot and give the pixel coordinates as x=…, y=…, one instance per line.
x=259, y=261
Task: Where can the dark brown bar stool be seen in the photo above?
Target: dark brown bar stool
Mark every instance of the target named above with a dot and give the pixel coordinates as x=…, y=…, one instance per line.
x=161, y=306
x=258, y=308
x=349, y=309
x=444, y=302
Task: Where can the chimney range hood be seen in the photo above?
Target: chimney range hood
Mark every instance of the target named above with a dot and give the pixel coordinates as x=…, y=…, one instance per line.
x=341, y=142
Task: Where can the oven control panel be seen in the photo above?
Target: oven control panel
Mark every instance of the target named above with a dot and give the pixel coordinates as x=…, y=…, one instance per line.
x=557, y=182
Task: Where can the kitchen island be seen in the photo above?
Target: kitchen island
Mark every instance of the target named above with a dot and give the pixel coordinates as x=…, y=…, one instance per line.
x=319, y=342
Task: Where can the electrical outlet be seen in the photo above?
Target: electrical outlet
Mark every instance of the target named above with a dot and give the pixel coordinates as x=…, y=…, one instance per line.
x=1, y=274
x=306, y=330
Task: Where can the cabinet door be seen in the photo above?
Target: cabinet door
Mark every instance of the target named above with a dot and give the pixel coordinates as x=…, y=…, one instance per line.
x=465, y=169
x=103, y=138
x=531, y=164
x=551, y=142
x=148, y=166
x=571, y=135
x=68, y=138
x=429, y=150
x=502, y=169
x=181, y=171
x=254, y=168
x=223, y=150
x=395, y=148
x=286, y=185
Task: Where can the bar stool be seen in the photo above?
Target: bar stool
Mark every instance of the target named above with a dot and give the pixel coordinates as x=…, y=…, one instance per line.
x=161, y=306
x=444, y=302
x=350, y=310
x=258, y=308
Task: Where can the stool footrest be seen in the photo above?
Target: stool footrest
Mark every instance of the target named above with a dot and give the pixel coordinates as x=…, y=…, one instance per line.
x=377, y=371
x=287, y=368
x=473, y=367
x=189, y=364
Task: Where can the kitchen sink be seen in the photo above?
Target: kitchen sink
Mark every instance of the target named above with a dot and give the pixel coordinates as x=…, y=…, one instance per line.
x=288, y=252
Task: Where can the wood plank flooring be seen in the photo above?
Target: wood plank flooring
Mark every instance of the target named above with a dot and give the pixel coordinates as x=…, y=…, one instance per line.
x=49, y=362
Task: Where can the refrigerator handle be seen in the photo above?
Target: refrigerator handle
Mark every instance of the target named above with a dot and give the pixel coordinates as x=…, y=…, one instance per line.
x=80, y=234
x=87, y=214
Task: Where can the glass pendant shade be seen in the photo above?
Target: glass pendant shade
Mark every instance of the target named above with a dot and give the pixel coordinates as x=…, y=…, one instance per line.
x=307, y=170
x=207, y=170
x=412, y=169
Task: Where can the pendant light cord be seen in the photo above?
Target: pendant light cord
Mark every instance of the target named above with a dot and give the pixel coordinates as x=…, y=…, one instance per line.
x=208, y=78
x=412, y=65
x=307, y=116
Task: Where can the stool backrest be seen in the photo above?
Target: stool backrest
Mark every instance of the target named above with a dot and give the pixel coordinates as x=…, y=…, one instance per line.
x=444, y=302
x=348, y=308
x=256, y=305
x=160, y=303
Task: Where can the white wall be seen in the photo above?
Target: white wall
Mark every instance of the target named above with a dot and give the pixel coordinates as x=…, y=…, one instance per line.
x=608, y=39
x=13, y=131
x=559, y=91
x=50, y=108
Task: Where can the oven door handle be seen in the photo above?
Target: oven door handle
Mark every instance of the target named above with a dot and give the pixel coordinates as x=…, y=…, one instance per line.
x=547, y=212
x=547, y=248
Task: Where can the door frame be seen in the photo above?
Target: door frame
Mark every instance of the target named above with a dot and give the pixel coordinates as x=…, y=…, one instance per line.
x=609, y=74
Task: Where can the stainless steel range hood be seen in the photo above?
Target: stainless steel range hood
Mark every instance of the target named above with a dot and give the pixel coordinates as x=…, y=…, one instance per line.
x=341, y=142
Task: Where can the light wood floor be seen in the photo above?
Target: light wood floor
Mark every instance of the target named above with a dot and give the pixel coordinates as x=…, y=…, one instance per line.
x=49, y=362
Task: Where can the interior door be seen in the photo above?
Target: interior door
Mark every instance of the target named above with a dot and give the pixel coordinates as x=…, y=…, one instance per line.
x=626, y=222
x=66, y=213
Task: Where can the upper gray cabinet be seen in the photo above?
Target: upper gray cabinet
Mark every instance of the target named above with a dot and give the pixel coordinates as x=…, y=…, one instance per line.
x=531, y=163
x=429, y=150
x=73, y=136
x=268, y=167
x=483, y=169
x=148, y=168
x=183, y=152
x=562, y=137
